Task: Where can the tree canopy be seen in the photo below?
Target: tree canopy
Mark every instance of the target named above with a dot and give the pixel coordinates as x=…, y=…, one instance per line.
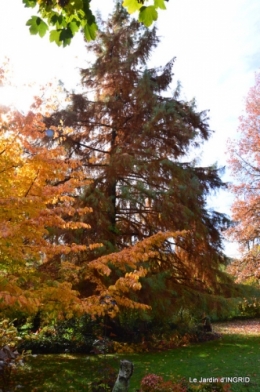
x=33, y=191
x=244, y=159
x=133, y=139
x=65, y=18
x=101, y=208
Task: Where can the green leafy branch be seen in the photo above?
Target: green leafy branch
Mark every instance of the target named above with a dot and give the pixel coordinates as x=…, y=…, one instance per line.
x=64, y=18
x=147, y=14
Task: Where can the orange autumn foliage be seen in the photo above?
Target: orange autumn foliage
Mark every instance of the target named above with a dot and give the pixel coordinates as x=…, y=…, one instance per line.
x=244, y=161
x=35, y=195
x=120, y=149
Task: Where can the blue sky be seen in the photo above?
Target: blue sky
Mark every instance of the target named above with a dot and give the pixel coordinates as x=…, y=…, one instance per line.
x=217, y=50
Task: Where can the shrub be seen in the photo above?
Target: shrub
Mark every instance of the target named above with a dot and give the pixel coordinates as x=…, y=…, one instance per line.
x=43, y=343
x=74, y=335
x=151, y=382
x=155, y=383
x=10, y=358
x=249, y=307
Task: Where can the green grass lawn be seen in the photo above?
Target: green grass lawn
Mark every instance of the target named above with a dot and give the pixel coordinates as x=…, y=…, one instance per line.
x=234, y=355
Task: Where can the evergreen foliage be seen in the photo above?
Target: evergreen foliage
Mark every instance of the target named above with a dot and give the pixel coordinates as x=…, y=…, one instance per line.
x=132, y=138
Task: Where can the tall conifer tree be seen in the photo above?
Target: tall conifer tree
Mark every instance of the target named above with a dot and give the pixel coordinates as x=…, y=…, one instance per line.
x=133, y=139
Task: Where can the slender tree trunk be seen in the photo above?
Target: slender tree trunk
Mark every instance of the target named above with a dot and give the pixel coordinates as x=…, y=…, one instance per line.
x=112, y=192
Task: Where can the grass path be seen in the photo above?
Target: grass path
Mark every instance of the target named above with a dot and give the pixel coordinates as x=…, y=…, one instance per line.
x=236, y=354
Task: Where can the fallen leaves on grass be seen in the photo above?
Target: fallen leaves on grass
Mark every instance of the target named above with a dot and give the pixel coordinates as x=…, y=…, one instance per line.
x=239, y=327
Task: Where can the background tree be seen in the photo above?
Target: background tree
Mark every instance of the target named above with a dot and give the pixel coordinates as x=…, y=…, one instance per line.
x=244, y=161
x=133, y=140
x=67, y=17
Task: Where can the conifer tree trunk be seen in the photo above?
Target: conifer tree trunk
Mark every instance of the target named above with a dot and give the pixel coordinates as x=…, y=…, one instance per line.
x=111, y=193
